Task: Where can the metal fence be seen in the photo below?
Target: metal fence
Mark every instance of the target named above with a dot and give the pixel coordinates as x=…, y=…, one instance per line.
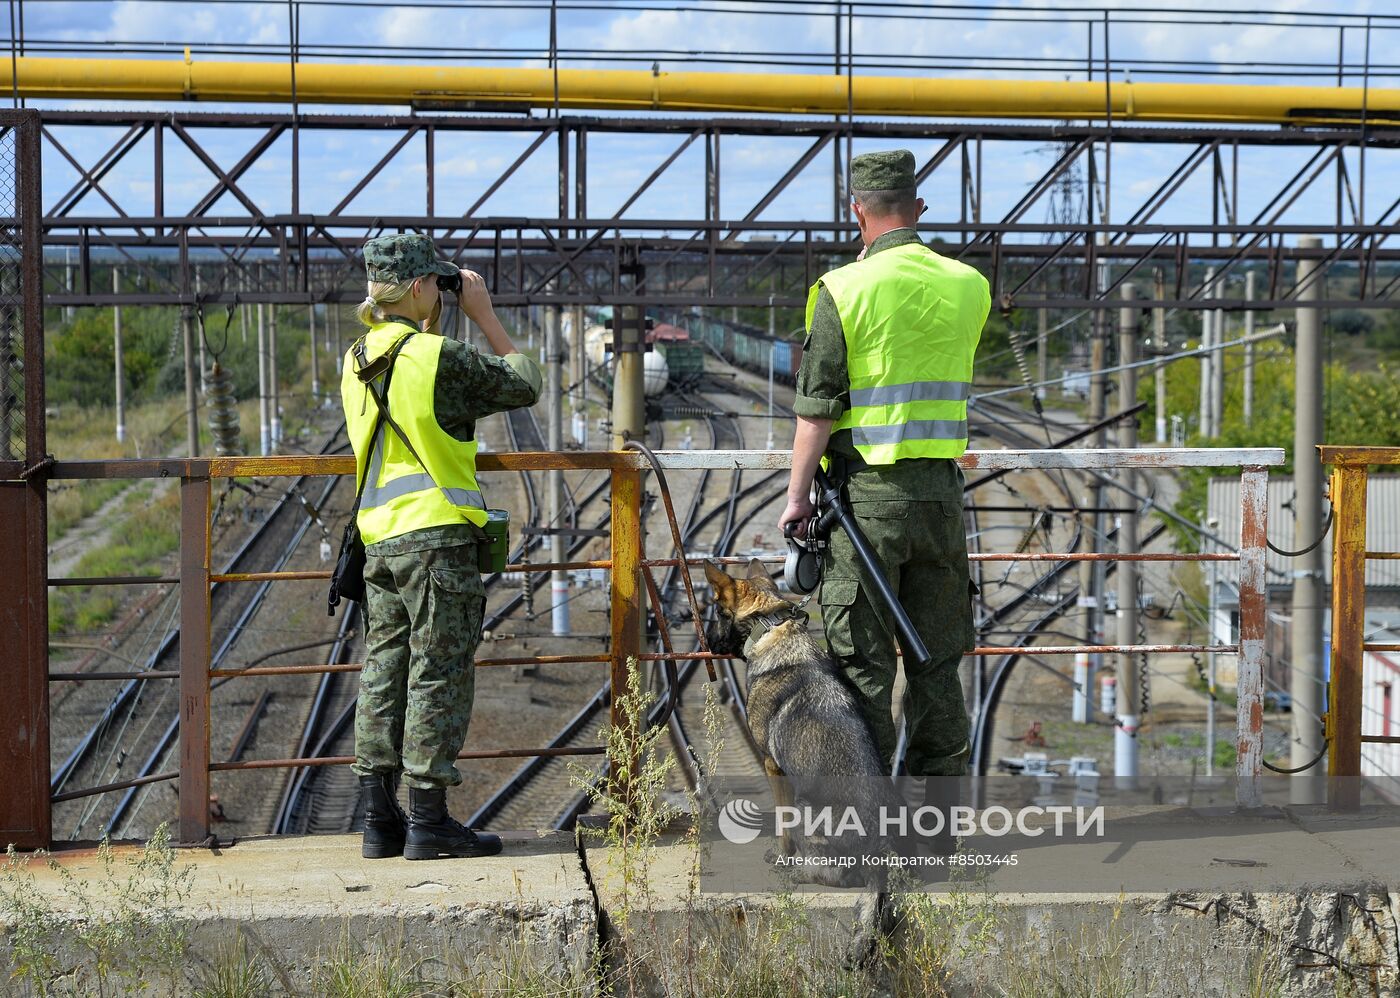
x=631, y=584
x=24, y=741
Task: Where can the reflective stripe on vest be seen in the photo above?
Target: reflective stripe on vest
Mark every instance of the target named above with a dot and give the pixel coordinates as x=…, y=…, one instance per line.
x=400, y=494
x=912, y=320
x=379, y=495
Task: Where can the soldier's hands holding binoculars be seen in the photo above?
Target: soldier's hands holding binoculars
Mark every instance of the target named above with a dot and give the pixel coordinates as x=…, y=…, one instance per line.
x=473, y=297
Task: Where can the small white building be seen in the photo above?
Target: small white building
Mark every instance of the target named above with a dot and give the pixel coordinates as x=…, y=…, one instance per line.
x=1381, y=673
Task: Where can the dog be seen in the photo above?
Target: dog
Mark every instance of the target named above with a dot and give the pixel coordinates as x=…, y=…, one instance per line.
x=818, y=749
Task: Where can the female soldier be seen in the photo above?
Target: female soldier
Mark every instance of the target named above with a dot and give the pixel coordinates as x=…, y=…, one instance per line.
x=420, y=516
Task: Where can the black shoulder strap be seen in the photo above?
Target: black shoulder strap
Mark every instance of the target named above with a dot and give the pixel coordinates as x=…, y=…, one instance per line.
x=387, y=369
x=382, y=401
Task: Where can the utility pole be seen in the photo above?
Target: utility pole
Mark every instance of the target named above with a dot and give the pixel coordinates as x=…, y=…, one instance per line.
x=1125, y=746
x=274, y=403
x=772, y=344
x=191, y=383
x=1248, y=350
x=203, y=364
x=1205, y=429
x=120, y=372
x=1217, y=368
x=1159, y=339
x=554, y=402
x=337, y=351
x=629, y=342
x=580, y=380
x=1091, y=577
x=315, y=366
x=1307, y=680
x=264, y=419
x=1042, y=332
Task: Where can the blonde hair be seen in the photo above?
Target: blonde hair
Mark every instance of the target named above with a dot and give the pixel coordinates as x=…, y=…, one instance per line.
x=381, y=293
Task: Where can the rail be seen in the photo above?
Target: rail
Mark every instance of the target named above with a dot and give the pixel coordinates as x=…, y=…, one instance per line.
x=1342, y=719
x=630, y=569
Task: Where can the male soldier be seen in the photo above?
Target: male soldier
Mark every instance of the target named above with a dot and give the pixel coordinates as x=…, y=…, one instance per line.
x=420, y=516
x=882, y=394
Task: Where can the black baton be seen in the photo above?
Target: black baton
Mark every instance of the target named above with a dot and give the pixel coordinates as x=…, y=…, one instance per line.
x=834, y=510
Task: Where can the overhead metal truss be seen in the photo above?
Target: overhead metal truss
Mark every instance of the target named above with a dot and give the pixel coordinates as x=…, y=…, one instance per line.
x=750, y=259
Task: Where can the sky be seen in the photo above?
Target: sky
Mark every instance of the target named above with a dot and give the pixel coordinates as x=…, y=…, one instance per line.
x=1200, y=42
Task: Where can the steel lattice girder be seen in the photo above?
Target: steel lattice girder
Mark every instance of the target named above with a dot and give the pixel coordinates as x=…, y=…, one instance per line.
x=574, y=259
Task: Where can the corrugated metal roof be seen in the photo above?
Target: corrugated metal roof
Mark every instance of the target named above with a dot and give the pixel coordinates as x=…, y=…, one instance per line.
x=1382, y=525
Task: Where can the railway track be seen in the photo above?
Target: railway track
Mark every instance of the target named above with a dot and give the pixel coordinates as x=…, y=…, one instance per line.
x=126, y=728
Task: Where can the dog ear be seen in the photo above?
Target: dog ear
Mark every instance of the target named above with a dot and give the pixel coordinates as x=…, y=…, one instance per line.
x=722, y=583
x=758, y=572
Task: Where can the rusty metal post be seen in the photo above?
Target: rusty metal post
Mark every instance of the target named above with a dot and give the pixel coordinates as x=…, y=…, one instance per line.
x=626, y=603
x=1348, y=495
x=195, y=609
x=25, y=808
x=1249, y=717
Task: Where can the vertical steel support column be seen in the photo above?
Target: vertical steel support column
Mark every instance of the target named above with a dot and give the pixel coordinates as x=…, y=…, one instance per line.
x=1249, y=718
x=1348, y=495
x=1248, y=351
x=626, y=600
x=25, y=809
x=195, y=625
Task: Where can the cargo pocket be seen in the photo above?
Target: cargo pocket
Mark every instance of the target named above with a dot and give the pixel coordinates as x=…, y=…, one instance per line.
x=836, y=598
x=458, y=609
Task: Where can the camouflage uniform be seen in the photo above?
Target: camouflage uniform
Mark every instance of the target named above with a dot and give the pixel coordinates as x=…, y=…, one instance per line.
x=425, y=601
x=911, y=512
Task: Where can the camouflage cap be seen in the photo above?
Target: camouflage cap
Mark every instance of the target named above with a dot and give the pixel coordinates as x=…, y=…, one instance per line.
x=403, y=257
x=883, y=171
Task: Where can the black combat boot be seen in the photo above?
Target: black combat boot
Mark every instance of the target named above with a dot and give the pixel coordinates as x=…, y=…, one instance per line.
x=435, y=834
x=385, y=823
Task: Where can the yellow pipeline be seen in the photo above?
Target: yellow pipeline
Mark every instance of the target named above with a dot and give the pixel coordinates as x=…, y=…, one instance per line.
x=445, y=86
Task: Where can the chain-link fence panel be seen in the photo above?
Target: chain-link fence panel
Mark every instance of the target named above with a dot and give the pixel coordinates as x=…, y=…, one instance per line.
x=12, y=428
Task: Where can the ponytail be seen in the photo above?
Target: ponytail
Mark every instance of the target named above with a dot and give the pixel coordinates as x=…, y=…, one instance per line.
x=381, y=293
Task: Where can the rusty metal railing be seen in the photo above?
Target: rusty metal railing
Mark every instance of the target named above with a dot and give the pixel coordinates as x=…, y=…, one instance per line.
x=1342, y=719
x=630, y=576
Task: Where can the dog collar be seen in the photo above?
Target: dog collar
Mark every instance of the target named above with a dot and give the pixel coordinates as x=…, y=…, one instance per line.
x=761, y=625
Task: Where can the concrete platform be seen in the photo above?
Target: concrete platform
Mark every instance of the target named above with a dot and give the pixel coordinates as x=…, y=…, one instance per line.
x=1301, y=901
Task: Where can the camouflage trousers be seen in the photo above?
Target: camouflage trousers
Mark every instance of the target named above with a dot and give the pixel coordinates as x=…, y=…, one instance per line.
x=423, y=615
x=923, y=548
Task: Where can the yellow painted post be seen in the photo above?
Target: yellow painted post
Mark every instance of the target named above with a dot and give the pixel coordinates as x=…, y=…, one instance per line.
x=626, y=602
x=1348, y=494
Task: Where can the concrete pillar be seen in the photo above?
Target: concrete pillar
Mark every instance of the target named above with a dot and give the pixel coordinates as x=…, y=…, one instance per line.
x=1217, y=370
x=274, y=403
x=1125, y=755
x=1159, y=372
x=1249, y=351
x=187, y=323
x=1307, y=678
x=1204, y=427
x=264, y=417
x=554, y=404
x=315, y=365
x=1041, y=335
x=119, y=374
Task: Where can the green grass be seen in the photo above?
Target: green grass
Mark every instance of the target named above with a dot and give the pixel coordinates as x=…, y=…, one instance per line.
x=147, y=538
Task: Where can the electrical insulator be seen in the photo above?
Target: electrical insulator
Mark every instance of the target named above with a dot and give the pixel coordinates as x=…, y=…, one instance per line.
x=223, y=411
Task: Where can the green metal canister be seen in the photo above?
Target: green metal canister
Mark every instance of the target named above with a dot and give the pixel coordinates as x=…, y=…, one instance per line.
x=497, y=539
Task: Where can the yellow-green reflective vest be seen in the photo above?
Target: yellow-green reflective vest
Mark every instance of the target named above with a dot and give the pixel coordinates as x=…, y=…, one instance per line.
x=912, y=320
x=399, y=493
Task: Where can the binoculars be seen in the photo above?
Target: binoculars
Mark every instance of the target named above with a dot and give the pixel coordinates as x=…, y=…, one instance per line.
x=452, y=284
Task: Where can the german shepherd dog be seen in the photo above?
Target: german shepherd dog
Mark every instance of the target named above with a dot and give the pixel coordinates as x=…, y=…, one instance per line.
x=818, y=750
